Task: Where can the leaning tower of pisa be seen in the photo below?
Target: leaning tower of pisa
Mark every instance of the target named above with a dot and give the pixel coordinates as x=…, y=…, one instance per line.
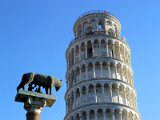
x=99, y=75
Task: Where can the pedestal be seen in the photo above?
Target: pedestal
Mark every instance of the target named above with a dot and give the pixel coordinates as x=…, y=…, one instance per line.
x=34, y=103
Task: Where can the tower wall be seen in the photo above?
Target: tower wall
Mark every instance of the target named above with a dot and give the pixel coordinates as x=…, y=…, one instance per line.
x=99, y=76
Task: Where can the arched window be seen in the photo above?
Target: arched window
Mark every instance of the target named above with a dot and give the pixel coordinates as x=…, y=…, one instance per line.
x=77, y=117
x=111, y=33
x=77, y=75
x=77, y=53
x=124, y=115
x=100, y=114
x=100, y=25
x=91, y=89
x=84, y=116
x=98, y=88
x=108, y=114
x=105, y=70
x=97, y=69
x=90, y=70
x=83, y=90
x=114, y=93
x=77, y=93
x=96, y=44
x=91, y=115
x=89, y=49
x=103, y=45
x=79, y=30
x=116, y=114
x=83, y=50
x=83, y=72
x=72, y=56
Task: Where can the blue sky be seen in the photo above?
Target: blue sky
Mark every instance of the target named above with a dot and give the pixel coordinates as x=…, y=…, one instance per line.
x=34, y=35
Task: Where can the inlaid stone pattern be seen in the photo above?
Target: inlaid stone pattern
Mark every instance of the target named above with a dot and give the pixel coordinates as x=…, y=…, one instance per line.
x=99, y=75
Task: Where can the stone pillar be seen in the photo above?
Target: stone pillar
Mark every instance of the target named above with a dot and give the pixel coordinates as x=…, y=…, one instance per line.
x=86, y=72
x=74, y=99
x=74, y=50
x=85, y=50
x=109, y=70
x=115, y=70
x=107, y=49
x=120, y=115
x=118, y=93
x=125, y=97
x=95, y=93
x=121, y=72
x=113, y=51
x=101, y=69
x=104, y=115
x=103, y=100
x=80, y=78
x=96, y=118
x=110, y=88
x=79, y=53
x=34, y=106
x=87, y=116
x=34, y=103
x=94, y=71
x=93, y=52
x=113, y=117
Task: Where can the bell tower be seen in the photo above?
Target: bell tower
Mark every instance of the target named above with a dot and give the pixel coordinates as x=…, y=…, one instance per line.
x=99, y=75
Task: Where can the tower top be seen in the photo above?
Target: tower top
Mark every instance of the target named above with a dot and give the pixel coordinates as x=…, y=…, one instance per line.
x=95, y=21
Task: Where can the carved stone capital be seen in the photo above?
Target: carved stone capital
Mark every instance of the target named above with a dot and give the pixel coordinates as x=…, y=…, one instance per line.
x=34, y=104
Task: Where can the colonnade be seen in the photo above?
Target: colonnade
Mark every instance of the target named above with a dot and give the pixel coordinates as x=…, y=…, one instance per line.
x=97, y=69
x=94, y=48
x=106, y=113
x=100, y=92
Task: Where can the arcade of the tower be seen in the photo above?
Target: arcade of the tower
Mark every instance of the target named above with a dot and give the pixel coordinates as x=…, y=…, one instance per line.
x=104, y=91
x=107, y=112
x=98, y=46
x=97, y=23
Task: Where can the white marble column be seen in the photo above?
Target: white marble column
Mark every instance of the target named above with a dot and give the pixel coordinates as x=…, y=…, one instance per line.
x=103, y=93
x=101, y=70
x=118, y=93
x=96, y=117
x=74, y=99
x=85, y=50
x=104, y=115
x=120, y=115
x=79, y=53
x=107, y=49
x=94, y=71
x=113, y=117
x=121, y=74
x=86, y=72
x=95, y=94
x=80, y=76
x=93, y=51
x=110, y=88
x=115, y=70
x=109, y=70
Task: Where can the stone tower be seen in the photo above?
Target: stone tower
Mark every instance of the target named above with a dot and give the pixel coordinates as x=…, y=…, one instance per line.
x=99, y=75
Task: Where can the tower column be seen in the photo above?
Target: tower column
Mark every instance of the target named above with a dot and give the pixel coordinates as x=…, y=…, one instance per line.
x=113, y=117
x=34, y=106
x=85, y=50
x=101, y=69
x=93, y=51
x=110, y=88
x=107, y=48
x=115, y=70
x=109, y=70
